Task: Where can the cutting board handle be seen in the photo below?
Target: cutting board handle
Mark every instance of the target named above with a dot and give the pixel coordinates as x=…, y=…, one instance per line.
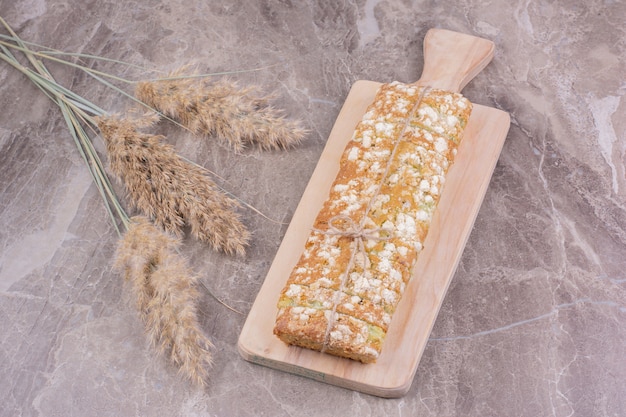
x=452, y=59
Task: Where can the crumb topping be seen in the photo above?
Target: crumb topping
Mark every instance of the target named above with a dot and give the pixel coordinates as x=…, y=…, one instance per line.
x=391, y=176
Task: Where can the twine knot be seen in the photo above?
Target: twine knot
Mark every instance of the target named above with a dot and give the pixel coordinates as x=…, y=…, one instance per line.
x=351, y=229
x=358, y=232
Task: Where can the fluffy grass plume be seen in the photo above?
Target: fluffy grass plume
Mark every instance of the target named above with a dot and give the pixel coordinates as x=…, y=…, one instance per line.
x=237, y=116
x=166, y=295
x=170, y=190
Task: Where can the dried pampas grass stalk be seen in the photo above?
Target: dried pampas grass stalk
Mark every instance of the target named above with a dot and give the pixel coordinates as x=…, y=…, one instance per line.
x=237, y=116
x=166, y=188
x=170, y=190
x=166, y=296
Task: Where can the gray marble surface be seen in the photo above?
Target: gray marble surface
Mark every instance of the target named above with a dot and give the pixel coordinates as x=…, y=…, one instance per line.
x=534, y=322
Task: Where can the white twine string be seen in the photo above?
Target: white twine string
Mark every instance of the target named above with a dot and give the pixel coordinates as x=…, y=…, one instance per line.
x=358, y=233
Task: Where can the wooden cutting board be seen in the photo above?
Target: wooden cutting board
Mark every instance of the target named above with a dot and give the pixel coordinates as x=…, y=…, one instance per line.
x=451, y=61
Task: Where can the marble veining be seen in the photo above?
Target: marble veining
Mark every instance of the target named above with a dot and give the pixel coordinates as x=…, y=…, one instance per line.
x=534, y=322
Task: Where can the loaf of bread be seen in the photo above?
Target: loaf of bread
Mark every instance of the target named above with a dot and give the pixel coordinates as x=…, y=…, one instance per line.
x=358, y=259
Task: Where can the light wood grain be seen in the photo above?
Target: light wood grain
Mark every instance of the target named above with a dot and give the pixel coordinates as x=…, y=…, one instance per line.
x=452, y=59
x=466, y=184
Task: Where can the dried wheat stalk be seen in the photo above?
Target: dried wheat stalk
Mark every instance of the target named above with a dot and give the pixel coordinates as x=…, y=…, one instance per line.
x=237, y=116
x=171, y=191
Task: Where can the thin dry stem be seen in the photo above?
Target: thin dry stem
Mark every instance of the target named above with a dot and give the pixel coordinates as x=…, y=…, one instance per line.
x=166, y=295
x=171, y=191
x=235, y=115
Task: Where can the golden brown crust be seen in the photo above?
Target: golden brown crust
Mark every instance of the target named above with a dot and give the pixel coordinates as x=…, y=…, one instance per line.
x=355, y=266
x=293, y=329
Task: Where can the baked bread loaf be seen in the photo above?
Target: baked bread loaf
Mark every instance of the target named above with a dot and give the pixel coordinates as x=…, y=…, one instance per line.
x=341, y=295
